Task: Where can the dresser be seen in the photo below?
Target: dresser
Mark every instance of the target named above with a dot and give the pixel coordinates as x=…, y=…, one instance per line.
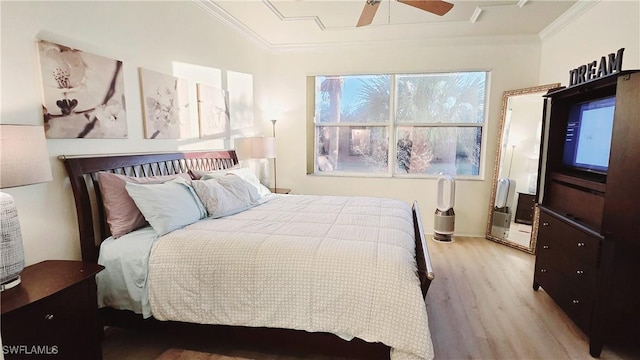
x=588, y=247
x=53, y=313
x=568, y=265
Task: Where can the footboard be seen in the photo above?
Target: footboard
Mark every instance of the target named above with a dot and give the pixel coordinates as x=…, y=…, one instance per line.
x=425, y=269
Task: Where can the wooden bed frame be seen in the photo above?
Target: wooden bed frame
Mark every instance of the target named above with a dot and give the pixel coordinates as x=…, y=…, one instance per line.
x=83, y=175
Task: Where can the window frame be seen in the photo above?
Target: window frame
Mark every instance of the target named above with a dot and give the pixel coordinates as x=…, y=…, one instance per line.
x=391, y=127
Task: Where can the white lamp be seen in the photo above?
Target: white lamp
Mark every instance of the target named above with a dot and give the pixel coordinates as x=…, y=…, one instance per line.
x=24, y=160
x=256, y=148
x=275, y=168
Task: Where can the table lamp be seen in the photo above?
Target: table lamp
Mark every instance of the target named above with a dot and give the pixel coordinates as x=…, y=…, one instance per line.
x=256, y=148
x=24, y=160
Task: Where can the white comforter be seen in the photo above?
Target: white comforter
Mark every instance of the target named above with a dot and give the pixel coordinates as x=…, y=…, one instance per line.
x=343, y=265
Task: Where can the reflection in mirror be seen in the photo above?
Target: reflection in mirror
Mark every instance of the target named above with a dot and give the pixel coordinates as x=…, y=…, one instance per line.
x=513, y=215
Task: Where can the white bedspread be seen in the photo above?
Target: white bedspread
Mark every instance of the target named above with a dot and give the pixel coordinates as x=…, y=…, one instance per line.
x=343, y=265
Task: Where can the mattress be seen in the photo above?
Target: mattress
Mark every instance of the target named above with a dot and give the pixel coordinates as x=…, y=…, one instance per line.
x=344, y=265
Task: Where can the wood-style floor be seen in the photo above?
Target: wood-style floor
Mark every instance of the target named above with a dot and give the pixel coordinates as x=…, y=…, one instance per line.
x=481, y=306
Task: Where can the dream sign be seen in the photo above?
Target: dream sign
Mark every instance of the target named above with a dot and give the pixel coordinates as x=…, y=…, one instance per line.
x=608, y=65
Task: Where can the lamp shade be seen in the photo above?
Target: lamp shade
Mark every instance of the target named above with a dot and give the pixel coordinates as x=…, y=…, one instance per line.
x=256, y=148
x=24, y=158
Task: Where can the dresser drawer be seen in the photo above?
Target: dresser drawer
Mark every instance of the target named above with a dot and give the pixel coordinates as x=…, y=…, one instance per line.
x=574, y=300
x=575, y=273
x=55, y=311
x=553, y=233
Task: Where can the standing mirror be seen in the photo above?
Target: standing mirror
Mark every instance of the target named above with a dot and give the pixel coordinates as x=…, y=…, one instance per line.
x=513, y=216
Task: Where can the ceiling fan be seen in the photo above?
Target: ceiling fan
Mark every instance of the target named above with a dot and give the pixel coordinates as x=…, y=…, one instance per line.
x=437, y=7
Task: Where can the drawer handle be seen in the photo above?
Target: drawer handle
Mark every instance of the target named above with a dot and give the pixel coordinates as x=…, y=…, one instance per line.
x=543, y=270
x=575, y=301
x=580, y=244
x=545, y=224
x=579, y=272
x=545, y=246
x=48, y=317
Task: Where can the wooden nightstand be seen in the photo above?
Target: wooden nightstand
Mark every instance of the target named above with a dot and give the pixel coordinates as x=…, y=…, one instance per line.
x=53, y=313
x=525, y=208
x=280, y=190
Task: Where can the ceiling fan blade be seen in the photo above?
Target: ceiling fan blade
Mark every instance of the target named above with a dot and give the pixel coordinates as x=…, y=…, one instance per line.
x=369, y=11
x=437, y=7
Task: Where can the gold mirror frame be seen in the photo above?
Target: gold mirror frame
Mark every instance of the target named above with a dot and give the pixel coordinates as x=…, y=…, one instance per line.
x=542, y=89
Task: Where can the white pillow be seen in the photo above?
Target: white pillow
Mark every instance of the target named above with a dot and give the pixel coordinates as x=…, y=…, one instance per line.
x=167, y=206
x=245, y=174
x=197, y=174
x=226, y=195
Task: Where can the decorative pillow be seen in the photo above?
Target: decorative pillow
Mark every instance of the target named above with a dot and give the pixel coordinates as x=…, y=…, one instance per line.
x=226, y=195
x=122, y=213
x=245, y=174
x=198, y=174
x=167, y=206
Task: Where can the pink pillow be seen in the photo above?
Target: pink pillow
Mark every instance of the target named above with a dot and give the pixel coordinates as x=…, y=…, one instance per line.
x=122, y=213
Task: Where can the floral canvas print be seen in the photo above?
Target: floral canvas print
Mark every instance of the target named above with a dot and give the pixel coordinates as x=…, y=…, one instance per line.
x=166, y=105
x=213, y=110
x=83, y=93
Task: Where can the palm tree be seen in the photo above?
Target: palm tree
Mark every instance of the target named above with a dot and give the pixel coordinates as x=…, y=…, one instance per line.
x=331, y=89
x=447, y=98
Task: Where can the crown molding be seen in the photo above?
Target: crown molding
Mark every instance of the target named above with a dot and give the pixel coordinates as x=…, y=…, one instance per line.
x=453, y=41
x=574, y=12
x=231, y=22
x=280, y=16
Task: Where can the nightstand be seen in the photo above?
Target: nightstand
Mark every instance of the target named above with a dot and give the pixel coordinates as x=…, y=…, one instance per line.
x=280, y=190
x=525, y=208
x=53, y=313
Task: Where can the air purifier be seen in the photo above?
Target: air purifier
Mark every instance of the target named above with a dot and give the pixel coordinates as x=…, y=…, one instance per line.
x=501, y=222
x=444, y=221
x=505, y=190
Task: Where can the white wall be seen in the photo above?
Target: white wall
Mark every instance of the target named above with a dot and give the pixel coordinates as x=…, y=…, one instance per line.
x=154, y=35
x=601, y=30
x=512, y=66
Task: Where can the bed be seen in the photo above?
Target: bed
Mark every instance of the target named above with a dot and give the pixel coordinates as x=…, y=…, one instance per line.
x=336, y=276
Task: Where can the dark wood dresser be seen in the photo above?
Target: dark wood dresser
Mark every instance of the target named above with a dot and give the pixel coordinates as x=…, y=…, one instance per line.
x=568, y=265
x=53, y=313
x=588, y=247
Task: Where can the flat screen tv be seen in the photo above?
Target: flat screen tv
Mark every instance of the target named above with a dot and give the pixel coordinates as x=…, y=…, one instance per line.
x=588, y=137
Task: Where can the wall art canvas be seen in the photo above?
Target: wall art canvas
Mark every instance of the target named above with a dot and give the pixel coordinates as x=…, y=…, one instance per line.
x=213, y=111
x=166, y=105
x=82, y=93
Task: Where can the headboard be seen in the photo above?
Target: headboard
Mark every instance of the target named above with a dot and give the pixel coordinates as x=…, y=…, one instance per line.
x=83, y=174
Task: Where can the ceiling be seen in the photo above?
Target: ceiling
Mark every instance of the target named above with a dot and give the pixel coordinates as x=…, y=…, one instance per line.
x=291, y=24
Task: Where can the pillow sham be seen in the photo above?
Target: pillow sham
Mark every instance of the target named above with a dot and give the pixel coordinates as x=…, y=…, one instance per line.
x=226, y=195
x=122, y=213
x=245, y=174
x=167, y=206
x=198, y=174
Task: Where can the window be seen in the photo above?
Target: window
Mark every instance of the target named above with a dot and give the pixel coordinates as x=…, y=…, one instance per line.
x=415, y=124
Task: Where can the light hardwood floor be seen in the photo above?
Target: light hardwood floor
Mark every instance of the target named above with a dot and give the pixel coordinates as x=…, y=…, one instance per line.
x=481, y=306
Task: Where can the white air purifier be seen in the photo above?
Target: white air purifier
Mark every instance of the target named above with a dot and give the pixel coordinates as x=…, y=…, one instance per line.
x=501, y=222
x=505, y=191
x=444, y=221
